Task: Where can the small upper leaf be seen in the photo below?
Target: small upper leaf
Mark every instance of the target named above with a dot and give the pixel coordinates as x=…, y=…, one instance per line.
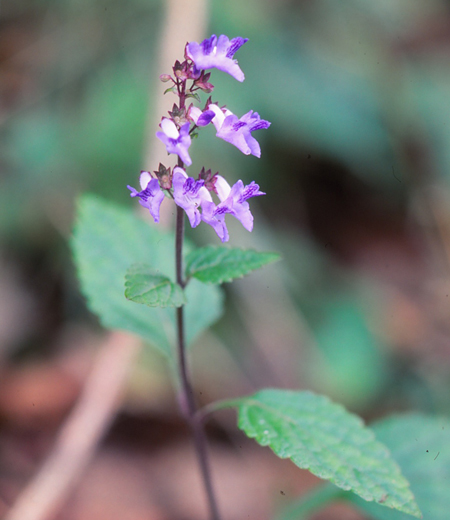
x=144, y=285
x=421, y=446
x=324, y=438
x=215, y=264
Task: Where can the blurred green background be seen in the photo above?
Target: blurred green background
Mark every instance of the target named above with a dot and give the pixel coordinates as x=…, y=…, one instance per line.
x=355, y=166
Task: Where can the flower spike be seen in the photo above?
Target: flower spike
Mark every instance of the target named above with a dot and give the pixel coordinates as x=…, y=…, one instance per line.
x=195, y=196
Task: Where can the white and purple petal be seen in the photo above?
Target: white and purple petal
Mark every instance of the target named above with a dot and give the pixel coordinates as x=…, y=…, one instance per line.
x=236, y=203
x=201, y=118
x=151, y=195
x=189, y=194
x=177, y=142
x=222, y=188
x=217, y=53
x=215, y=217
x=237, y=131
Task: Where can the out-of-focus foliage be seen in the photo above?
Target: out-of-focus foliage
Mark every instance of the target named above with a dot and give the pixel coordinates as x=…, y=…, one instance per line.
x=419, y=444
x=76, y=90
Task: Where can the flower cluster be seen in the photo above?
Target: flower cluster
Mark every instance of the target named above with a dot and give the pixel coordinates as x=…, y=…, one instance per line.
x=195, y=195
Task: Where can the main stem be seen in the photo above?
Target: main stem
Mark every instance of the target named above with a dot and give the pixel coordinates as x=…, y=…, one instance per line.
x=187, y=401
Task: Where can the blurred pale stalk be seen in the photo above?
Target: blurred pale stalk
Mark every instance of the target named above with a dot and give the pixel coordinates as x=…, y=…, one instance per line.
x=80, y=434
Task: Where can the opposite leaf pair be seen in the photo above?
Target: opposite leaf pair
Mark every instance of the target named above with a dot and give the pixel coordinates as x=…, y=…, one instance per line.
x=213, y=265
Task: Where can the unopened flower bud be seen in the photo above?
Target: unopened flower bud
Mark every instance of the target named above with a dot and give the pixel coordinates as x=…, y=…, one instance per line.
x=165, y=78
x=180, y=70
x=164, y=176
x=202, y=82
x=178, y=115
x=209, y=179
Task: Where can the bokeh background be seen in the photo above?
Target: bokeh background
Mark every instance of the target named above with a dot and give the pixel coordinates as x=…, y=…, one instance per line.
x=356, y=170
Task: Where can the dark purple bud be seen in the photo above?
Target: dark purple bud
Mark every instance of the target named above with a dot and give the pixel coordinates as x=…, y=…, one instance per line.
x=203, y=84
x=205, y=118
x=209, y=179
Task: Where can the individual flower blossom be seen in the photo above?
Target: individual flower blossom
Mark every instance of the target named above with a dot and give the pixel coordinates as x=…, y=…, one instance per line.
x=238, y=131
x=214, y=53
x=234, y=199
x=189, y=194
x=176, y=141
x=151, y=195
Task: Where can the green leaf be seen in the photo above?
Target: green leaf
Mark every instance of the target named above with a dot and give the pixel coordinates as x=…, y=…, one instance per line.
x=145, y=286
x=194, y=95
x=324, y=438
x=108, y=239
x=215, y=264
x=421, y=446
x=170, y=89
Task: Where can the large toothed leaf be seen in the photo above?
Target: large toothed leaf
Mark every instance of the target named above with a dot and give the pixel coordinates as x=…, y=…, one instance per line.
x=215, y=264
x=108, y=239
x=143, y=285
x=324, y=438
x=421, y=446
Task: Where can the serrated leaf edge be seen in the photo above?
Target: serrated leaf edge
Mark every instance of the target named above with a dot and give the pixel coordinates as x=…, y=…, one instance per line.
x=224, y=279
x=246, y=400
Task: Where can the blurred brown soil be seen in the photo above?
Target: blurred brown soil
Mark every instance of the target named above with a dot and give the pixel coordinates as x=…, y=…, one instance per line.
x=145, y=469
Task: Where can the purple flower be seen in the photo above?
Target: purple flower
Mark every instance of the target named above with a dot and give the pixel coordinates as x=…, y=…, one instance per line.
x=151, y=195
x=189, y=194
x=201, y=118
x=234, y=200
x=215, y=53
x=176, y=141
x=238, y=131
x=215, y=217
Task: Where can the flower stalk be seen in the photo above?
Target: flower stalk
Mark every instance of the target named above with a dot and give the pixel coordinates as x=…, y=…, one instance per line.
x=186, y=397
